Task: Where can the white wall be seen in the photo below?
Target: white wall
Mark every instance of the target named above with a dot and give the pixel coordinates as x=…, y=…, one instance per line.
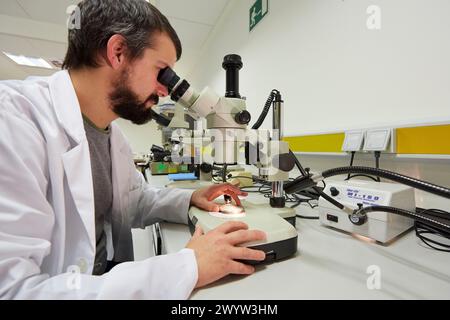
x=140, y=137
x=333, y=72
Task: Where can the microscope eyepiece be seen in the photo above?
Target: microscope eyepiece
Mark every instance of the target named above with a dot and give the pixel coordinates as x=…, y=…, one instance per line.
x=232, y=63
x=180, y=90
x=167, y=77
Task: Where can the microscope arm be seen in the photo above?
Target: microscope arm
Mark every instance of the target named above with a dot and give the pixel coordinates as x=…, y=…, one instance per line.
x=159, y=118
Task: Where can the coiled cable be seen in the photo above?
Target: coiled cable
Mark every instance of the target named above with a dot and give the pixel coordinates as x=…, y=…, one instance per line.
x=426, y=222
x=266, y=109
x=440, y=224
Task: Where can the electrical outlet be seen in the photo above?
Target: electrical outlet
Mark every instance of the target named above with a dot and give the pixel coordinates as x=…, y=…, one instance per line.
x=353, y=141
x=377, y=139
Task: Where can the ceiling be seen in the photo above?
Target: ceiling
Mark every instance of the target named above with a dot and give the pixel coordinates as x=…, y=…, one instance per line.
x=37, y=28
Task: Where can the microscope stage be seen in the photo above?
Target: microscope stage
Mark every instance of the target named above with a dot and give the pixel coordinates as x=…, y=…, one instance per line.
x=281, y=235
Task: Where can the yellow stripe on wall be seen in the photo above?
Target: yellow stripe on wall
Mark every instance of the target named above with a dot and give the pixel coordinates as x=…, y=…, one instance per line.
x=316, y=143
x=424, y=140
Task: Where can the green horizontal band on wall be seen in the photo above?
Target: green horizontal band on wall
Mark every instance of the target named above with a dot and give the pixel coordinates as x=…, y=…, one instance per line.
x=316, y=143
x=424, y=140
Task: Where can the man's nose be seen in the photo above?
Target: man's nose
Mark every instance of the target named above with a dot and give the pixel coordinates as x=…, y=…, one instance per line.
x=161, y=90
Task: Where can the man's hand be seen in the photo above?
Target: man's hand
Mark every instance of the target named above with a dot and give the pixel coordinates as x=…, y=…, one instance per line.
x=202, y=198
x=217, y=250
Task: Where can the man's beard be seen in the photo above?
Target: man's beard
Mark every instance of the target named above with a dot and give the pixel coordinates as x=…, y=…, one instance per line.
x=126, y=104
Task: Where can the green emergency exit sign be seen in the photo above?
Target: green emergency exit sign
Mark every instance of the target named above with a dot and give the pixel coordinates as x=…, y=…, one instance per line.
x=258, y=10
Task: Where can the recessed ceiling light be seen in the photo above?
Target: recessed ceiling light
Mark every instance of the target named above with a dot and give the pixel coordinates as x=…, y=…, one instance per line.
x=29, y=61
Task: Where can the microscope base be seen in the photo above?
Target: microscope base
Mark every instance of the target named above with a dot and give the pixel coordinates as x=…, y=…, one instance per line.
x=286, y=213
x=282, y=236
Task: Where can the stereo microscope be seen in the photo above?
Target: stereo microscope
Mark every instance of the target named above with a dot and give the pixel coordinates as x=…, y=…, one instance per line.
x=227, y=120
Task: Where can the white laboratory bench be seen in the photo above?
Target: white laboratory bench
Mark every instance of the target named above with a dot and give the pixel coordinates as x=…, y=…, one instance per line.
x=330, y=265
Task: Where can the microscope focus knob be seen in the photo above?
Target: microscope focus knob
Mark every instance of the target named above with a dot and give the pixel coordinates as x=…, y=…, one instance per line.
x=285, y=162
x=243, y=117
x=334, y=192
x=206, y=167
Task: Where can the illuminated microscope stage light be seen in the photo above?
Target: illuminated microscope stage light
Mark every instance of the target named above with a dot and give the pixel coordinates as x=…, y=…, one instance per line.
x=229, y=211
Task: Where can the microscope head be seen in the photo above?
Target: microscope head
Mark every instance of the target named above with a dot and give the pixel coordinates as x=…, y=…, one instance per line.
x=207, y=101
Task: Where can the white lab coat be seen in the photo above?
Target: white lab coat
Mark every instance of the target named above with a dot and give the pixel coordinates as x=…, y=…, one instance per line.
x=47, y=223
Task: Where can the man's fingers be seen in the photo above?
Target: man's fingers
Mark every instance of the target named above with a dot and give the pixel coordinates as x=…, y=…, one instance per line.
x=241, y=268
x=242, y=236
x=210, y=206
x=226, y=190
x=218, y=192
x=235, y=189
x=198, y=232
x=243, y=253
x=231, y=226
x=236, y=199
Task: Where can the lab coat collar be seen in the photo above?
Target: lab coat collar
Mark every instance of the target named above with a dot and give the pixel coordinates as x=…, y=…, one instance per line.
x=66, y=105
x=76, y=161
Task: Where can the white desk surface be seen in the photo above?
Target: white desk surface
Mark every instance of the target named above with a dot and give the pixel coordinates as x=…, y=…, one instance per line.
x=331, y=265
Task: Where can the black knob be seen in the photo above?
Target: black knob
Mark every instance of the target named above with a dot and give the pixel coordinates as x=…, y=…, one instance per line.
x=284, y=162
x=206, y=167
x=334, y=192
x=358, y=219
x=243, y=117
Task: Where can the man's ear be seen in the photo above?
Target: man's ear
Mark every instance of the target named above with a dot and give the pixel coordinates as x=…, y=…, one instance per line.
x=116, y=51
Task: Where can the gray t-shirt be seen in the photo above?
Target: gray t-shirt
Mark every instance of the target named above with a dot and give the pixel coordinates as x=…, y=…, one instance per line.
x=99, y=147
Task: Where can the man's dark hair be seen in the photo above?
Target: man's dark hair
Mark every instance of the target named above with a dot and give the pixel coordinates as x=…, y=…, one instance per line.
x=136, y=20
